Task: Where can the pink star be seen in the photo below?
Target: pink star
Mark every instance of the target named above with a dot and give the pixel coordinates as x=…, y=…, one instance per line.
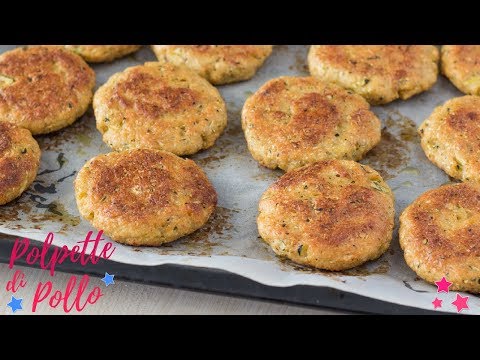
x=461, y=302
x=437, y=303
x=443, y=285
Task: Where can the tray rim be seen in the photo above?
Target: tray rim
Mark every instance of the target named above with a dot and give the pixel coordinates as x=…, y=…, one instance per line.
x=218, y=281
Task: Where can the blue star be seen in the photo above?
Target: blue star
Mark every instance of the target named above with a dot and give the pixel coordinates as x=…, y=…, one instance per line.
x=15, y=304
x=108, y=279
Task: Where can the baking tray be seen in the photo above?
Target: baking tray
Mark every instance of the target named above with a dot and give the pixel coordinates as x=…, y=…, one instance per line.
x=225, y=283
x=229, y=242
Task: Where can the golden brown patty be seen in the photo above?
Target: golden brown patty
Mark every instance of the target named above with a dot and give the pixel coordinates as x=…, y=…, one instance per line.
x=19, y=161
x=144, y=197
x=440, y=234
x=450, y=137
x=219, y=64
x=44, y=88
x=102, y=53
x=461, y=64
x=380, y=73
x=293, y=121
x=332, y=215
x=159, y=106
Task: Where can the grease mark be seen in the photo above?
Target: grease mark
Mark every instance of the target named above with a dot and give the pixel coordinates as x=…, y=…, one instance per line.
x=389, y=155
x=227, y=145
x=268, y=174
x=405, y=127
x=37, y=197
x=219, y=224
x=217, y=231
x=70, y=134
x=54, y=212
x=403, y=185
x=392, y=154
x=66, y=177
x=379, y=268
x=50, y=189
x=408, y=286
x=300, y=64
x=409, y=170
x=382, y=268
x=61, y=161
x=57, y=212
x=83, y=139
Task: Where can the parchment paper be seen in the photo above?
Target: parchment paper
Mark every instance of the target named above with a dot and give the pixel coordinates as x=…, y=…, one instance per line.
x=230, y=240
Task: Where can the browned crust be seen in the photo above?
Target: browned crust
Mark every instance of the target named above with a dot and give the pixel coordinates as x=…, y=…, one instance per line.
x=103, y=53
x=19, y=161
x=139, y=92
x=231, y=54
x=48, y=88
x=159, y=106
x=461, y=64
x=219, y=64
x=380, y=73
x=153, y=195
x=293, y=121
x=440, y=234
x=332, y=214
x=450, y=137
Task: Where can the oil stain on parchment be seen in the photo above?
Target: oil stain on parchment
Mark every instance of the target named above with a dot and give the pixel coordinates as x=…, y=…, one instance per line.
x=299, y=61
x=300, y=64
x=392, y=154
x=268, y=174
x=202, y=242
x=77, y=133
x=219, y=224
x=231, y=143
x=378, y=267
x=382, y=267
x=22, y=209
x=34, y=208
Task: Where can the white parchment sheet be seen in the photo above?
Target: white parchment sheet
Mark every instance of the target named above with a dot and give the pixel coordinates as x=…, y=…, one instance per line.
x=230, y=240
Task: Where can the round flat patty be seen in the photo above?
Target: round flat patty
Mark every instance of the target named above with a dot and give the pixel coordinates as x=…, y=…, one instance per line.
x=19, y=161
x=44, y=88
x=159, y=106
x=102, y=53
x=293, y=121
x=333, y=215
x=219, y=64
x=144, y=197
x=380, y=73
x=450, y=137
x=440, y=236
